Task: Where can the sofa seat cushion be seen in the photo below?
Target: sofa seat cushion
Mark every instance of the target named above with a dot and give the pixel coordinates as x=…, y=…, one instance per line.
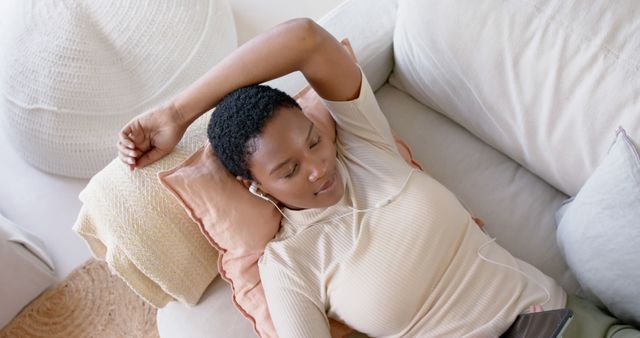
x=213, y=316
x=544, y=82
x=517, y=206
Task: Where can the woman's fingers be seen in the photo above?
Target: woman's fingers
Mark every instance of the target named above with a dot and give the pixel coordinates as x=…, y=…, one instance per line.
x=131, y=139
x=124, y=137
x=147, y=138
x=128, y=151
x=126, y=159
x=150, y=157
x=128, y=156
x=127, y=143
x=133, y=135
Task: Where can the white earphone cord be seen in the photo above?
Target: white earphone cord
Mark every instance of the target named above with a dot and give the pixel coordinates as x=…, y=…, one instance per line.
x=546, y=291
x=391, y=199
x=353, y=210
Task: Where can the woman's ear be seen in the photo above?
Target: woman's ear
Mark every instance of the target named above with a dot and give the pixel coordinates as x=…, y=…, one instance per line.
x=245, y=182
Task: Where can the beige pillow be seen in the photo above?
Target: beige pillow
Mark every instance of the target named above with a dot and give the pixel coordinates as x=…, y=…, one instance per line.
x=129, y=220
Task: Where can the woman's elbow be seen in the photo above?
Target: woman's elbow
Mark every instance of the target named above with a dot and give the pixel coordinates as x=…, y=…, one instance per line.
x=308, y=33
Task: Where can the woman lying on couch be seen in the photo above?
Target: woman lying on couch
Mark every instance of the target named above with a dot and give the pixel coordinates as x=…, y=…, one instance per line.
x=365, y=238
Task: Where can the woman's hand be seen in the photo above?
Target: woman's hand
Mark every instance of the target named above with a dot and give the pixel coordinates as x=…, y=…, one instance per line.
x=150, y=136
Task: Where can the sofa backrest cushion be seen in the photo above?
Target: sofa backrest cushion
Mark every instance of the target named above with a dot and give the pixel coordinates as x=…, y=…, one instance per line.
x=545, y=82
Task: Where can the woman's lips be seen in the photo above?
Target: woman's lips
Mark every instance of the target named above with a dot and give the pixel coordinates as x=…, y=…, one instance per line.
x=328, y=185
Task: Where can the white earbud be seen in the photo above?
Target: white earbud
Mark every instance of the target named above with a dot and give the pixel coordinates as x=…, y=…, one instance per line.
x=253, y=189
x=384, y=203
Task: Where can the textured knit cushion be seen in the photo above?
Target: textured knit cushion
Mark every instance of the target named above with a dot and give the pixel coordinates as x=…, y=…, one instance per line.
x=72, y=74
x=599, y=231
x=542, y=81
x=145, y=236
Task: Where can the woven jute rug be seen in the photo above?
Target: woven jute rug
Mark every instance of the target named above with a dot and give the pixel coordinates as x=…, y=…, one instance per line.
x=90, y=302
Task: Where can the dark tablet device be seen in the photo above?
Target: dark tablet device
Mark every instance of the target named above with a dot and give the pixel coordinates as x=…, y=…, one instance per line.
x=545, y=324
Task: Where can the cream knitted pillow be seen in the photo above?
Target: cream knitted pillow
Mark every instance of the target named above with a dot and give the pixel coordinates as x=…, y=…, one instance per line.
x=73, y=73
x=135, y=225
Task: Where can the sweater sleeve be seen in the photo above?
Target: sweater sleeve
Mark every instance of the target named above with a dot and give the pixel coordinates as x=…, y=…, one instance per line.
x=294, y=309
x=362, y=119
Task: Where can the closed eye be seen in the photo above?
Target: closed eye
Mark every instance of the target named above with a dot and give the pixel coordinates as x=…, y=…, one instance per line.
x=293, y=171
x=315, y=143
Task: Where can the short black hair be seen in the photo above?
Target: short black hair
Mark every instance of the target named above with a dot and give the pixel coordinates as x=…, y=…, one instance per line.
x=238, y=119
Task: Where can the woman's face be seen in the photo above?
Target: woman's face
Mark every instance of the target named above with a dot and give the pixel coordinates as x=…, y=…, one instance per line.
x=295, y=162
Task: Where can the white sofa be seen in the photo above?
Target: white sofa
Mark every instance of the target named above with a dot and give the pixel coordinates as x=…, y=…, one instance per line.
x=512, y=107
x=512, y=170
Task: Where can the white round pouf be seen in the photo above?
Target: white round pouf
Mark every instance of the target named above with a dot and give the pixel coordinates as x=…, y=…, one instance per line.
x=74, y=72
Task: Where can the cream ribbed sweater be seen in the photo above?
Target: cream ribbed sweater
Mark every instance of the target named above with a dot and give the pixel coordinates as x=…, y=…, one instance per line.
x=410, y=268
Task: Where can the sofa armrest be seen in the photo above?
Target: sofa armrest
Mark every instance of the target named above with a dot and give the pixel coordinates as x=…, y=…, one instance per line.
x=369, y=26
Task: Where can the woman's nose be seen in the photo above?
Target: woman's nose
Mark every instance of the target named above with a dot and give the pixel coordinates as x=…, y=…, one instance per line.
x=317, y=169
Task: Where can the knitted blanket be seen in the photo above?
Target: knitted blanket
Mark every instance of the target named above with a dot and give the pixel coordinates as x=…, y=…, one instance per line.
x=129, y=220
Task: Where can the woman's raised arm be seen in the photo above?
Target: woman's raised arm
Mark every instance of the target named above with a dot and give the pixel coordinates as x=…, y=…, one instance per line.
x=296, y=45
